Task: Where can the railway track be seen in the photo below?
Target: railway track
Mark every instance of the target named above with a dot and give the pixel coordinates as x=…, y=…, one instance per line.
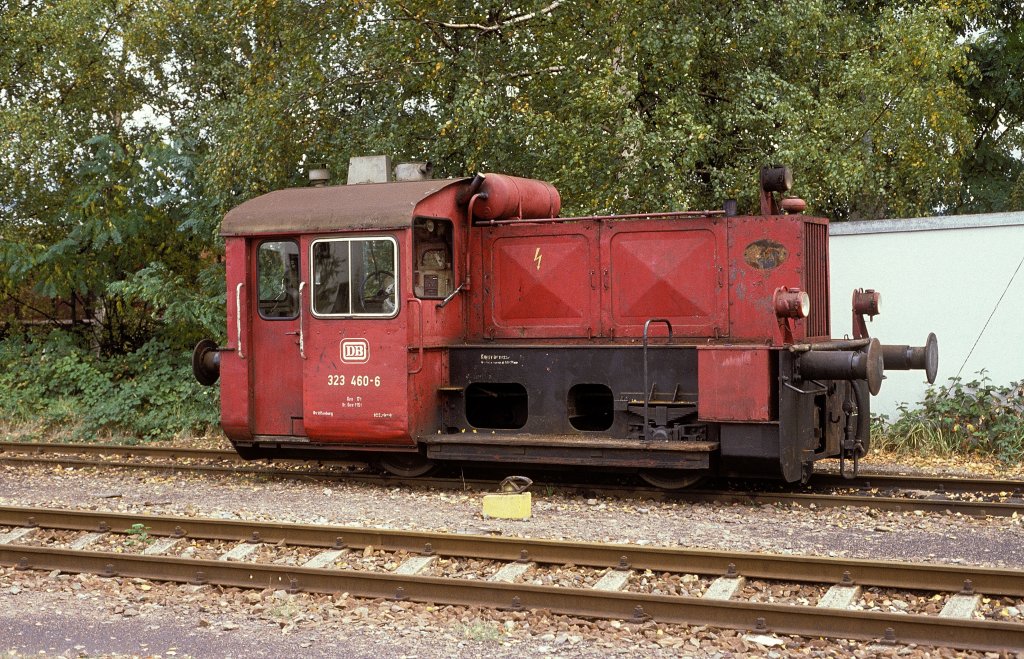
x=972, y=497
x=623, y=582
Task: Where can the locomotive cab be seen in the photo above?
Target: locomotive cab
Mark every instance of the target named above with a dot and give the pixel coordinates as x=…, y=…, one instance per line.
x=433, y=266
x=464, y=321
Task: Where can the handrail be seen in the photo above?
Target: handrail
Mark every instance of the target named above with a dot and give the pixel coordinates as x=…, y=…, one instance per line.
x=451, y=296
x=647, y=393
x=302, y=338
x=681, y=215
x=238, y=318
x=419, y=314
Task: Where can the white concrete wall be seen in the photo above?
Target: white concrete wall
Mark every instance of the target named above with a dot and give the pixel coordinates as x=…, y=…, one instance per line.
x=942, y=275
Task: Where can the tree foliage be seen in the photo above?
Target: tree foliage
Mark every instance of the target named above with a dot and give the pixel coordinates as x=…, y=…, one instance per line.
x=130, y=126
x=654, y=105
x=993, y=170
x=92, y=193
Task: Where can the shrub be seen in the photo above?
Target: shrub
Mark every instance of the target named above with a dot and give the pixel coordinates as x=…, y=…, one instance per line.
x=55, y=384
x=976, y=417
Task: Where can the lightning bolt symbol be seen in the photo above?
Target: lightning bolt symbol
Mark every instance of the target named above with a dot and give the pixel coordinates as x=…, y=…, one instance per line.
x=537, y=258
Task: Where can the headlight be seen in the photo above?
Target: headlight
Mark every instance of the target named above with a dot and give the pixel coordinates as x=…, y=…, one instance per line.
x=792, y=303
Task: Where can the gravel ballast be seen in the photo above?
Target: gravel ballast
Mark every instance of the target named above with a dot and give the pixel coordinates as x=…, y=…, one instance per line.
x=86, y=616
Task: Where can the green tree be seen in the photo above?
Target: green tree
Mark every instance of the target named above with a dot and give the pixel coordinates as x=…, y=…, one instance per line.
x=262, y=87
x=993, y=169
x=652, y=105
x=130, y=126
x=101, y=226
x=94, y=192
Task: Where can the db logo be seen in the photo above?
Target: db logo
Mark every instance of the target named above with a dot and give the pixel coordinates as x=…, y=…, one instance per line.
x=355, y=351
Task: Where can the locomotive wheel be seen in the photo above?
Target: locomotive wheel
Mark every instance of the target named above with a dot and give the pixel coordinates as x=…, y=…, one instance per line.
x=247, y=452
x=407, y=465
x=671, y=479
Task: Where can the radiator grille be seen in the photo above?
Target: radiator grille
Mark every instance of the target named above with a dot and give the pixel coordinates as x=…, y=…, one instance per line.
x=816, y=277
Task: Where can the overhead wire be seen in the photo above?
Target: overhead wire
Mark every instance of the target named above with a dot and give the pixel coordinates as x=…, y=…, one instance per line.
x=994, y=309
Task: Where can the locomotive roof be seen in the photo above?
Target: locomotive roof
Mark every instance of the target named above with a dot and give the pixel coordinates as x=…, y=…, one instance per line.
x=312, y=210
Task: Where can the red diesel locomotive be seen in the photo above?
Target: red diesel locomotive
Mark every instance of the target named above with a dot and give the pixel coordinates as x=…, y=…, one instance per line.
x=416, y=323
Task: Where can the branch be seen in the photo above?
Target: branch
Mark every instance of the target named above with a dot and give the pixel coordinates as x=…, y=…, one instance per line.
x=515, y=20
x=1007, y=129
x=557, y=68
x=881, y=113
x=30, y=307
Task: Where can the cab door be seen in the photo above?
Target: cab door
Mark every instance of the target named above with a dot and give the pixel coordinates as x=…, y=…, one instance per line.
x=276, y=367
x=354, y=378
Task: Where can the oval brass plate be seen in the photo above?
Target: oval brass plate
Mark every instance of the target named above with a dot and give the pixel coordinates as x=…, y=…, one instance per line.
x=765, y=254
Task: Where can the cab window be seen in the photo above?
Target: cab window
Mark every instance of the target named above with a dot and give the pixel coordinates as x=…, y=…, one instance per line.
x=355, y=277
x=433, y=271
x=277, y=271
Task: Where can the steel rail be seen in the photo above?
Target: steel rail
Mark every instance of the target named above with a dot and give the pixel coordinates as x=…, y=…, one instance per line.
x=969, y=508
x=782, y=567
x=198, y=468
x=1007, y=487
x=764, y=617
x=33, y=453
x=897, y=504
x=939, y=484
x=167, y=452
x=993, y=487
x=151, y=466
